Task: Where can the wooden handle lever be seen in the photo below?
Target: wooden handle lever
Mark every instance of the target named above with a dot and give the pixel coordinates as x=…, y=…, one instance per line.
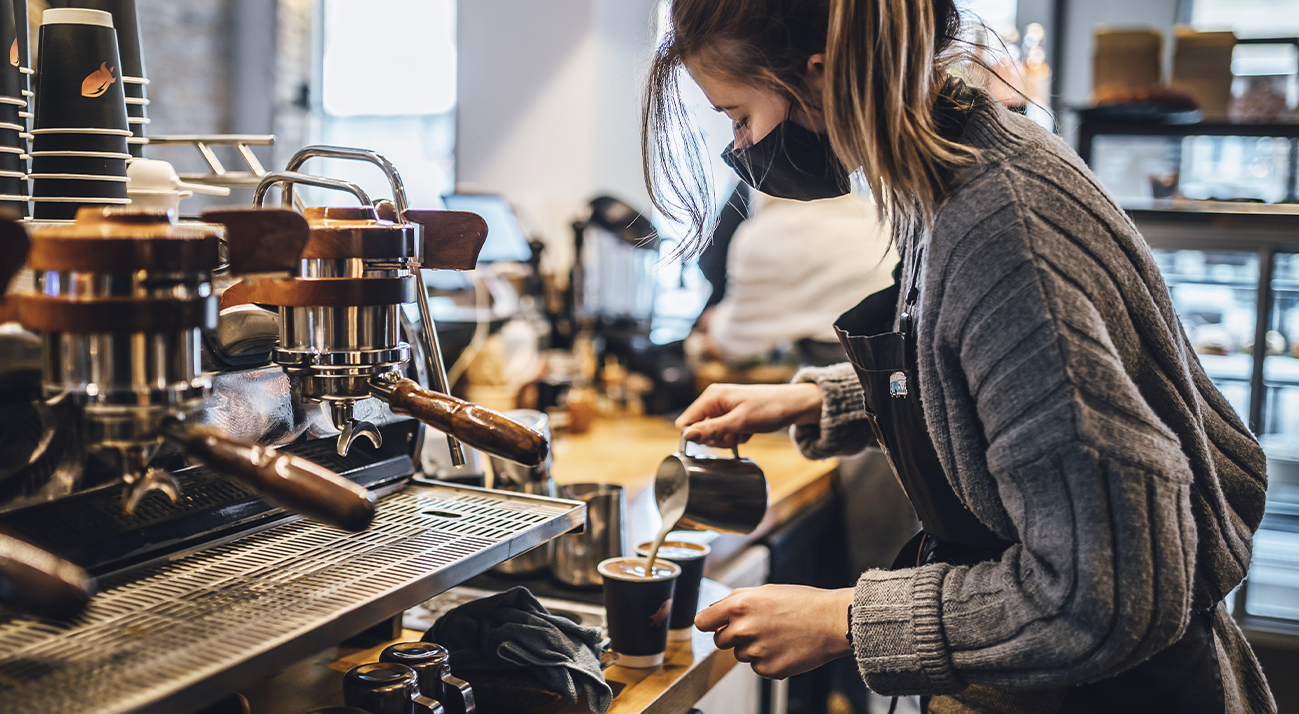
x=286, y=480
x=38, y=583
x=482, y=428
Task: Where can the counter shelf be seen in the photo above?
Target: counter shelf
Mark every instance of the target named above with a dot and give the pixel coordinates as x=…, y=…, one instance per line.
x=175, y=637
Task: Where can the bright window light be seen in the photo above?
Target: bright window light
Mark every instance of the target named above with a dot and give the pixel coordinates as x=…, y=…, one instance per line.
x=389, y=57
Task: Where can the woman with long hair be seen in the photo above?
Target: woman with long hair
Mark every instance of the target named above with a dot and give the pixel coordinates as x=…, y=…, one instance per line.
x=1088, y=498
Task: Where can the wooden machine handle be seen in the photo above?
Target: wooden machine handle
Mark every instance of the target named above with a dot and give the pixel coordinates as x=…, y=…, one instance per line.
x=476, y=425
x=451, y=240
x=38, y=583
x=286, y=480
x=262, y=240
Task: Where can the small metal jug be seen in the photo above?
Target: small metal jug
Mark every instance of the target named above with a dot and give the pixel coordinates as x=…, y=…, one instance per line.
x=722, y=494
x=387, y=688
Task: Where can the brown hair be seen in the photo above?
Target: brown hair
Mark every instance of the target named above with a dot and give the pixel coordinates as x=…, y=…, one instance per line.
x=886, y=61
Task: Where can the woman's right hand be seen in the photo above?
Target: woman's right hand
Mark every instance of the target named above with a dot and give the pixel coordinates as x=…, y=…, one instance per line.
x=728, y=414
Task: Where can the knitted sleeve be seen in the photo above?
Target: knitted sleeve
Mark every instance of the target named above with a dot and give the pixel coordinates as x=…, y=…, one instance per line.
x=843, y=428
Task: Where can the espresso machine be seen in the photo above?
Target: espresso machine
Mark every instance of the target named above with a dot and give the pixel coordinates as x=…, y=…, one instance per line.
x=165, y=386
x=339, y=326
x=119, y=304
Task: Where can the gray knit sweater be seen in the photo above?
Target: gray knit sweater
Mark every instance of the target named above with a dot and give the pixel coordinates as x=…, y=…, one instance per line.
x=1073, y=418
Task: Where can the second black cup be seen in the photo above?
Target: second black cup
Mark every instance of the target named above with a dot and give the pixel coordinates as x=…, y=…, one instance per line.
x=79, y=84
x=685, y=602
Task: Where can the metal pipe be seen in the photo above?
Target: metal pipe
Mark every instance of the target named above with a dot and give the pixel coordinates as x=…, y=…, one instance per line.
x=286, y=179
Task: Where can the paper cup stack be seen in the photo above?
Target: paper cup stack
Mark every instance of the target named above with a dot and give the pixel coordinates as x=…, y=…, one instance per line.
x=13, y=127
x=79, y=143
x=127, y=24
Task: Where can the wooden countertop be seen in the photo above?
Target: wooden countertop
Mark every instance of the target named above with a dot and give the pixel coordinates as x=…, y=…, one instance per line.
x=626, y=451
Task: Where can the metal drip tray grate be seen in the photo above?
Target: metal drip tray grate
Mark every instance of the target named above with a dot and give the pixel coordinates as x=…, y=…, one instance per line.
x=173, y=638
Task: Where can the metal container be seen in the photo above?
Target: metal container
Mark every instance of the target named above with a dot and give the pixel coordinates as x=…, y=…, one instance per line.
x=387, y=688
x=432, y=664
x=722, y=494
x=533, y=480
x=577, y=556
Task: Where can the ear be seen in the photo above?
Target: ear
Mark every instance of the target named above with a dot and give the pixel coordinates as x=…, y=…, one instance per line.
x=815, y=77
x=816, y=70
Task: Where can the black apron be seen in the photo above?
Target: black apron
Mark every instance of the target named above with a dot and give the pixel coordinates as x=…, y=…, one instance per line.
x=1182, y=678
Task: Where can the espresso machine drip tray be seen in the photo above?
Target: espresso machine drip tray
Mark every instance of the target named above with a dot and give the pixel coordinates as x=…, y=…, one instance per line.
x=175, y=637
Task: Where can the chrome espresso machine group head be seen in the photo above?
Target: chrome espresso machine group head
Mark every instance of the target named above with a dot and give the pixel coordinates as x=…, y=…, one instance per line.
x=340, y=327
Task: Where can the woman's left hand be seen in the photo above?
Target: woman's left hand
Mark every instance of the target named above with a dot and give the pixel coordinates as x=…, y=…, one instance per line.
x=781, y=630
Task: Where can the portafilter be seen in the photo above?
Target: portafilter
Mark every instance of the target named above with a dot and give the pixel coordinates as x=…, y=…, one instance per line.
x=120, y=300
x=340, y=333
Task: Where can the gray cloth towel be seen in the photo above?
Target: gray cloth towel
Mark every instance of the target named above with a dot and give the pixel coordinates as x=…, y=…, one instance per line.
x=511, y=630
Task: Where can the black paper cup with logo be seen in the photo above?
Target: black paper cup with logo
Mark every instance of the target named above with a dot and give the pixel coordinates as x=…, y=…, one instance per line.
x=127, y=24
x=638, y=609
x=11, y=78
x=86, y=163
x=74, y=140
x=685, y=603
x=80, y=82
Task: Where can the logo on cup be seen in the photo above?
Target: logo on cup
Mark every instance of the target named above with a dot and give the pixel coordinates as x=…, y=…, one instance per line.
x=13, y=53
x=97, y=82
x=660, y=616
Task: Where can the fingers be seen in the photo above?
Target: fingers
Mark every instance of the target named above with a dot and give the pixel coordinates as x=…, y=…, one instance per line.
x=714, y=617
x=709, y=404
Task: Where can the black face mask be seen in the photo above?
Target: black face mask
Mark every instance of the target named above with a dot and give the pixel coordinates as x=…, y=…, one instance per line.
x=790, y=162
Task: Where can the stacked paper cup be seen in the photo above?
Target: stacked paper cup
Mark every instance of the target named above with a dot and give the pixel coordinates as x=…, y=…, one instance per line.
x=79, y=143
x=127, y=24
x=13, y=147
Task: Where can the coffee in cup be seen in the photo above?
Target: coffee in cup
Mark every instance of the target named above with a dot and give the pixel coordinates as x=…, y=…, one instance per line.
x=638, y=607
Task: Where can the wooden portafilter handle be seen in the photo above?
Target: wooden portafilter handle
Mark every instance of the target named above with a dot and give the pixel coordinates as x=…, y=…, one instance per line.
x=286, y=480
x=39, y=583
x=482, y=428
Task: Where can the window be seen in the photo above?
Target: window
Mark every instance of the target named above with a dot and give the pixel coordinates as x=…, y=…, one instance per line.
x=387, y=83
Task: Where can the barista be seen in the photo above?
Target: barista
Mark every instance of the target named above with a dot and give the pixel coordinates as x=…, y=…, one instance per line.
x=1087, y=496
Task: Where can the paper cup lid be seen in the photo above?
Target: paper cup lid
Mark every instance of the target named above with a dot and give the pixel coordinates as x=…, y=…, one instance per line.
x=76, y=16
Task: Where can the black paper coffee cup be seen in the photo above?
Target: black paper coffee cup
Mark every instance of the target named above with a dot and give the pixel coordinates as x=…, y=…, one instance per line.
x=66, y=210
x=638, y=609
x=76, y=141
x=80, y=82
x=43, y=187
x=11, y=77
x=11, y=186
x=127, y=24
x=97, y=165
x=11, y=163
x=685, y=603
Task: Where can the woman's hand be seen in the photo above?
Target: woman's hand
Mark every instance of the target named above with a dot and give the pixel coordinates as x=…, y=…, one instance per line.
x=781, y=630
x=728, y=414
